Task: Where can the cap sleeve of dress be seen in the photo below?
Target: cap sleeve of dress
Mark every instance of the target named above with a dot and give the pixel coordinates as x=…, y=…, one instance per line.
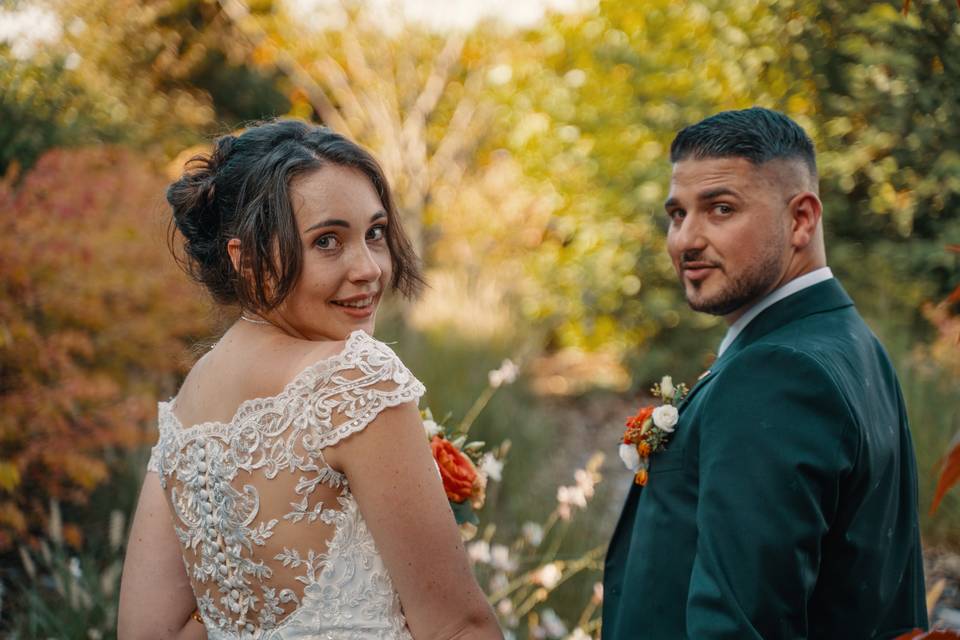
x=164, y=440
x=347, y=392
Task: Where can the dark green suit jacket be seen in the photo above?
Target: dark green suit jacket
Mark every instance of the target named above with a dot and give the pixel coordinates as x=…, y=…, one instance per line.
x=785, y=504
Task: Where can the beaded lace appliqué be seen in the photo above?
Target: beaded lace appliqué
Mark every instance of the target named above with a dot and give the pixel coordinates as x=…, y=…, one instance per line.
x=210, y=471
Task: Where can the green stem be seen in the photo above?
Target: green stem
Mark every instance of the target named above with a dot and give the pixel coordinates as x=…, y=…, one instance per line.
x=474, y=412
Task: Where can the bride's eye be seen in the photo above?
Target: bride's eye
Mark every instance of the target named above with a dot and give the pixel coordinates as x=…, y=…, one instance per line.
x=327, y=241
x=376, y=233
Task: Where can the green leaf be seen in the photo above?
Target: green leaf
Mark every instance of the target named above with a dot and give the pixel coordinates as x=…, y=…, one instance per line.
x=464, y=513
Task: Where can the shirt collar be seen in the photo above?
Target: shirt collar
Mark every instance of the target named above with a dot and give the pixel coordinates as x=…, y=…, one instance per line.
x=797, y=284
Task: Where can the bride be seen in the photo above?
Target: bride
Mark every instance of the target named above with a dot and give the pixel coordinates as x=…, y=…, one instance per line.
x=292, y=493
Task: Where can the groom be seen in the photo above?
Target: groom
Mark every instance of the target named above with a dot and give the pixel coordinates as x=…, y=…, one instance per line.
x=785, y=503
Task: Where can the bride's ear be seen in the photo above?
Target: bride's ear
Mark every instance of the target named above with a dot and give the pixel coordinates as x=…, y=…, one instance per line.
x=233, y=250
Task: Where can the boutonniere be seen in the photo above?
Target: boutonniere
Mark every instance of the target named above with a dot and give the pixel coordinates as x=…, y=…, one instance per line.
x=649, y=430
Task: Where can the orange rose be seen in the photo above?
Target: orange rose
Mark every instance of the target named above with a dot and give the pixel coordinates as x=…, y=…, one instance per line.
x=456, y=470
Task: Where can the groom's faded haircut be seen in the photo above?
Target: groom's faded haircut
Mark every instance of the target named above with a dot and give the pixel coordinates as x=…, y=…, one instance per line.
x=756, y=134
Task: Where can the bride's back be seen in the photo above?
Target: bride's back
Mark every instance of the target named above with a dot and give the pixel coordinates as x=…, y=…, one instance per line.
x=272, y=537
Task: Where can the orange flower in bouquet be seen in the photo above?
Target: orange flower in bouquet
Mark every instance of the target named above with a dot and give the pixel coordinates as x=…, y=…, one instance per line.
x=456, y=469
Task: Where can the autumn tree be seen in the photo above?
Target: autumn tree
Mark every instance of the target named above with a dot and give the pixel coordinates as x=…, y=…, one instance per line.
x=93, y=315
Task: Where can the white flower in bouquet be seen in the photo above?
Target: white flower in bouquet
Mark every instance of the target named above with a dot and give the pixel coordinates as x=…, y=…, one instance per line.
x=630, y=456
x=491, y=466
x=578, y=634
x=667, y=390
x=431, y=428
x=665, y=417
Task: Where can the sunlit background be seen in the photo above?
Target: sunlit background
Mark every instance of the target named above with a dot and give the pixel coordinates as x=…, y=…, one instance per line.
x=527, y=144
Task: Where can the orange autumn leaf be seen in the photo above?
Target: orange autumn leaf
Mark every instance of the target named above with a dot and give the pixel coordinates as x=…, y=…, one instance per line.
x=949, y=474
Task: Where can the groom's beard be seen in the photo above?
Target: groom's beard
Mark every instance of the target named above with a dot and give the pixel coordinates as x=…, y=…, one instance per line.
x=754, y=280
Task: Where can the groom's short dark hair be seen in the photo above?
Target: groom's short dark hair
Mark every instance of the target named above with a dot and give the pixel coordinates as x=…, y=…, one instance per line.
x=756, y=134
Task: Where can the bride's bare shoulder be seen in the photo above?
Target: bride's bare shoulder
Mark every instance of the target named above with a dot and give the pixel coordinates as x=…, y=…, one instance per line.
x=238, y=369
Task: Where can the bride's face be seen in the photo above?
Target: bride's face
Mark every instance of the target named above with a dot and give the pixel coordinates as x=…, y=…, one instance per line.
x=346, y=260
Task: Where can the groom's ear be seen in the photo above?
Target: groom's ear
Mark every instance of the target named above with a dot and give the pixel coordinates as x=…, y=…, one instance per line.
x=806, y=212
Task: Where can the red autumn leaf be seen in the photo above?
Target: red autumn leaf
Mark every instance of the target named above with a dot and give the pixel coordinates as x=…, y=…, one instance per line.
x=949, y=474
x=936, y=634
x=954, y=297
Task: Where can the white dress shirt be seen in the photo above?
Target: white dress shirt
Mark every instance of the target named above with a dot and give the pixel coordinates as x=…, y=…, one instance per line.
x=792, y=287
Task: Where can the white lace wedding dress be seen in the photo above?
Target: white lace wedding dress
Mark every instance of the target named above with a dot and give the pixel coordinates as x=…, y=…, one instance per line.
x=273, y=542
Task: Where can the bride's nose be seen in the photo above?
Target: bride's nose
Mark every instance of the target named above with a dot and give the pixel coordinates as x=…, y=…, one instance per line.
x=363, y=265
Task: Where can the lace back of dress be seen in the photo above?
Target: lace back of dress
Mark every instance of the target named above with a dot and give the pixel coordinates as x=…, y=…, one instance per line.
x=266, y=525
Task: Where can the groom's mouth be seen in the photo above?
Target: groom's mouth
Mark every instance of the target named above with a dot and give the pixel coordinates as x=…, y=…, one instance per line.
x=697, y=271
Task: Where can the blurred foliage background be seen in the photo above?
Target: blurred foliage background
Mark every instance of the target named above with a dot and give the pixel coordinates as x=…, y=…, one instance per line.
x=529, y=157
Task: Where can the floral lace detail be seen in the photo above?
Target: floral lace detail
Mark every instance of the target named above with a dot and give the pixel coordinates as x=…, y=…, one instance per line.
x=214, y=474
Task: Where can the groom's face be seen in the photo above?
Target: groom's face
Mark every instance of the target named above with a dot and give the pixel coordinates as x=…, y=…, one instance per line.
x=728, y=233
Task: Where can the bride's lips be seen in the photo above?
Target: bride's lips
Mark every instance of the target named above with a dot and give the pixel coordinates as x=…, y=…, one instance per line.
x=697, y=271
x=359, y=306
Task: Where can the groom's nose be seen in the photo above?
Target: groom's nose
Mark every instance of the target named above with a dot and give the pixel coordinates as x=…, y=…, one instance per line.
x=688, y=235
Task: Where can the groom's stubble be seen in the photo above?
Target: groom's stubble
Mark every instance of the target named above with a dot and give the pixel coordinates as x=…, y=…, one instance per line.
x=744, y=288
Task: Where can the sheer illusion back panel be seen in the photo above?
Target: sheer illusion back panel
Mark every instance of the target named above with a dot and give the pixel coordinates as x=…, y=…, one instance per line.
x=267, y=526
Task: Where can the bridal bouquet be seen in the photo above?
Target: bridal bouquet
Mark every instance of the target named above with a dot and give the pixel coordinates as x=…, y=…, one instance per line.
x=464, y=466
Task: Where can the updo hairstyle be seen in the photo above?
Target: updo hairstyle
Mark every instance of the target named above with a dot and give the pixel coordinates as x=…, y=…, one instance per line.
x=242, y=190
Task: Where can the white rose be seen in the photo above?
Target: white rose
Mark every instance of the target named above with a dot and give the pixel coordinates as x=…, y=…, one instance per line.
x=665, y=417
x=666, y=388
x=431, y=427
x=630, y=456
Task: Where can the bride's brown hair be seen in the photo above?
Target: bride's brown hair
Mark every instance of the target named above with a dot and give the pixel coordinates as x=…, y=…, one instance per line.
x=242, y=190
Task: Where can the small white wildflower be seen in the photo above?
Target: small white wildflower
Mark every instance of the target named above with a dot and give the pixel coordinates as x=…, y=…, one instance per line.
x=571, y=495
x=500, y=558
x=506, y=374
x=491, y=466
x=505, y=607
x=431, y=428
x=578, y=634
x=630, y=456
x=75, y=570
x=479, y=551
x=665, y=417
x=533, y=533
x=552, y=624
x=667, y=390
x=547, y=576
x=585, y=481
x=499, y=582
